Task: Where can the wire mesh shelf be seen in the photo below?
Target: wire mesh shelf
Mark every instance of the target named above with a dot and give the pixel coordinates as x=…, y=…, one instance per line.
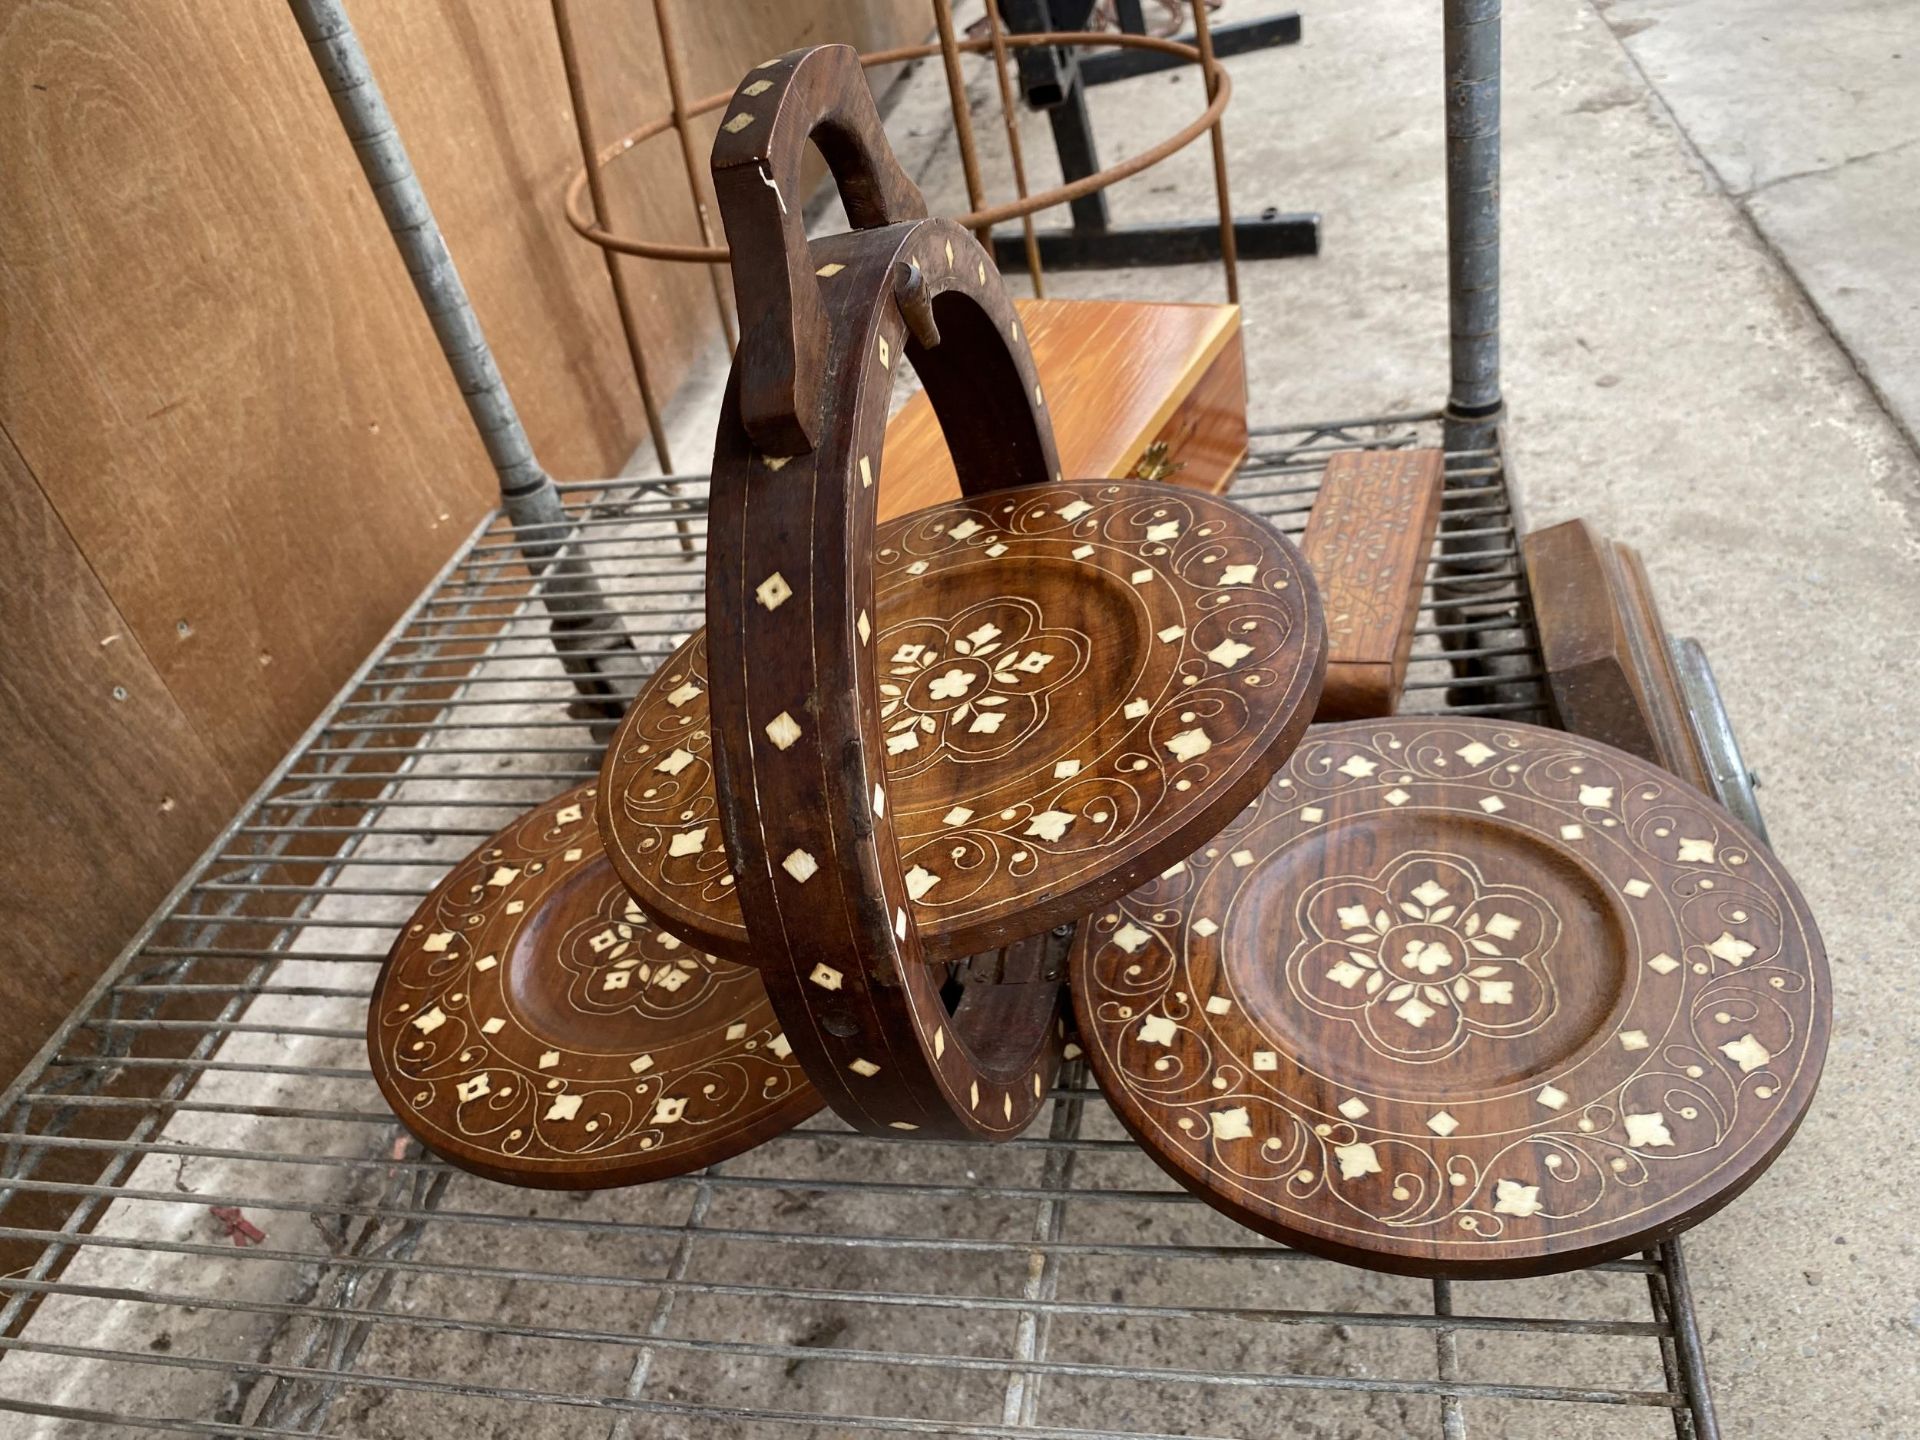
x=216, y=1227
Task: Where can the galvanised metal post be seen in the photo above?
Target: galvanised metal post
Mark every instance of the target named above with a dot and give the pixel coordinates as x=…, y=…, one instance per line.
x=585, y=632
x=1472, y=419
x=1472, y=48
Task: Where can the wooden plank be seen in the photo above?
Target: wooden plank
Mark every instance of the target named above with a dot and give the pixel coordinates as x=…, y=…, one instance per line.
x=1609, y=666
x=1116, y=375
x=108, y=791
x=1367, y=542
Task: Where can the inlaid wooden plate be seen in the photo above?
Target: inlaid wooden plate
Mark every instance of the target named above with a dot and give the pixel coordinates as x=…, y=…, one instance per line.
x=1462, y=998
x=532, y=1025
x=1074, y=680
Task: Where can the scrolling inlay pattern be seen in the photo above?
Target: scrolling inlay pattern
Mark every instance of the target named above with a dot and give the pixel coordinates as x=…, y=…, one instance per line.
x=533, y=1025
x=1454, y=992
x=1190, y=614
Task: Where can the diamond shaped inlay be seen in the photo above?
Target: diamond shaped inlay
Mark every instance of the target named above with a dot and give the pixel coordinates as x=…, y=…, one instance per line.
x=773, y=592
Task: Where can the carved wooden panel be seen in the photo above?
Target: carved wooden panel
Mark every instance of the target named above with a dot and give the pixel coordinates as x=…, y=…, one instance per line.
x=533, y=1026
x=1462, y=998
x=1606, y=651
x=1367, y=542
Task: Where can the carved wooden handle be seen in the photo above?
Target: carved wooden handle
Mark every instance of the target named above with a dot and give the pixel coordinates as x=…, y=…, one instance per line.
x=799, y=753
x=819, y=95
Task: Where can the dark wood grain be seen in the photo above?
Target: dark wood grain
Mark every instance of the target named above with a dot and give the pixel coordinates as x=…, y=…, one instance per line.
x=1609, y=666
x=532, y=1026
x=820, y=96
x=1004, y=618
x=1462, y=998
x=798, y=775
x=1367, y=542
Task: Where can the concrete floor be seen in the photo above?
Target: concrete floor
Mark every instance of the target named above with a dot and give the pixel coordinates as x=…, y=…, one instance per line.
x=1710, y=262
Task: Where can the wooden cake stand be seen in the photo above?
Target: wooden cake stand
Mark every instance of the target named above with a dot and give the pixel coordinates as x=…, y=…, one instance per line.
x=978, y=721
x=532, y=1026
x=1461, y=998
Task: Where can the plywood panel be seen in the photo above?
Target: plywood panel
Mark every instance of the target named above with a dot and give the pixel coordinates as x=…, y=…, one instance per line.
x=244, y=449
x=107, y=791
x=213, y=361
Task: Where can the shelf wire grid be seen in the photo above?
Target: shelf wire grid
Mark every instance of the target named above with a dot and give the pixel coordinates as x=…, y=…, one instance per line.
x=216, y=1227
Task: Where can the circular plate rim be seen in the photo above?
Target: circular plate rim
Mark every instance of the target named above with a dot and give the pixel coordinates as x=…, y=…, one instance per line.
x=797, y=1105
x=1678, y=1215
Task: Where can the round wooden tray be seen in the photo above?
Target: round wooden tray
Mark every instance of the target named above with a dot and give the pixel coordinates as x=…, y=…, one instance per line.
x=1462, y=998
x=1079, y=682
x=532, y=1026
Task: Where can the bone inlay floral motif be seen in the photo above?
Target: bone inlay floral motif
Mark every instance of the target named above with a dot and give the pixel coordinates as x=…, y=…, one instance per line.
x=639, y=1047
x=1663, y=1020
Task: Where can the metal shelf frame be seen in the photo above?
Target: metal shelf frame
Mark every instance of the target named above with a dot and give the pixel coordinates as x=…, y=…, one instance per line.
x=240, y=1007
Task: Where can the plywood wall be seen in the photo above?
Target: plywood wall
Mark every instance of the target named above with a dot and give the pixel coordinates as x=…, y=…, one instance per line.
x=235, y=447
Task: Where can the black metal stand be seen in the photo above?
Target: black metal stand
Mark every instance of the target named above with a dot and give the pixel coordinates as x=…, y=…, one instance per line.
x=1054, y=79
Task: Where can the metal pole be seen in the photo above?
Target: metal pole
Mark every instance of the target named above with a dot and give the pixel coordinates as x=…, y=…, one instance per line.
x=1472, y=47
x=1473, y=411
x=602, y=215
x=1012, y=120
x=696, y=172
x=570, y=591
x=1229, y=258
x=962, y=119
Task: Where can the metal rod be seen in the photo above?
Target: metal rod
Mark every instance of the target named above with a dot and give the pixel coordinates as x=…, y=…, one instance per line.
x=526, y=490
x=467, y=1386
x=1472, y=55
x=697, y=178
x=1022, y=1366
x=962, y=117
x=602, y=214
x=1687, y=1344
x=369, y=125
x=642, y=1367
x=1210, y=68
x=1010, y=115
x=1453, y=1422
x=1021, y=1403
